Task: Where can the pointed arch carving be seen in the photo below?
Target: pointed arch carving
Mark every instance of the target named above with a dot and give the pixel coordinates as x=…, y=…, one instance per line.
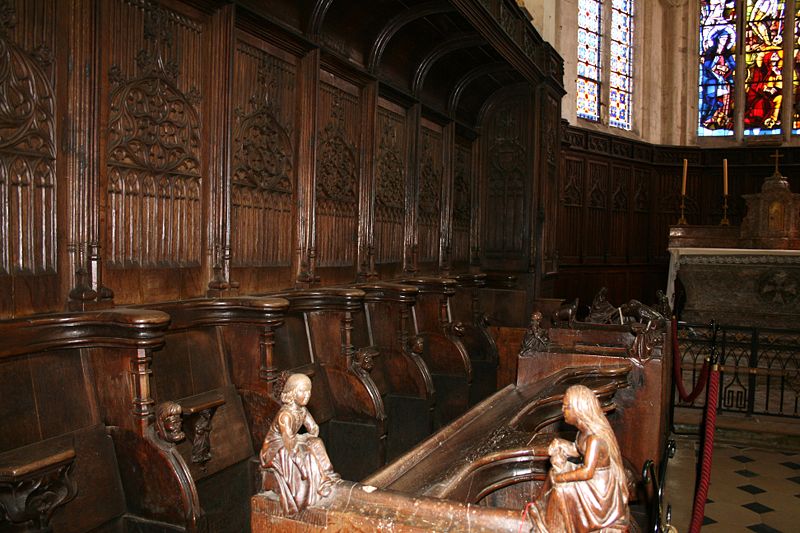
x=263, y=168
x=154, y=136
x=430, y=194
x=27, y=155
x=337, y=181
x=390, y=187
x=462, y=203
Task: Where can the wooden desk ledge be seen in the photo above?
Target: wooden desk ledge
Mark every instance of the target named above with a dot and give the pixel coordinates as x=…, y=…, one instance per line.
x=36, y=459
x=200, y=402
x=353, y=506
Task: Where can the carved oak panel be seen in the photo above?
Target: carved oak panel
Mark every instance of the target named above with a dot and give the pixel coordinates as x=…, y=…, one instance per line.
x=462, y=203
x=506, y=172
x=430, y=191
x=639, y=227
x=596, y=216
x=263, y=166
x=337, y=172
x=28, y=223
x=571, y=207
x=154, y=174
x=619, y=221
x=390, y=184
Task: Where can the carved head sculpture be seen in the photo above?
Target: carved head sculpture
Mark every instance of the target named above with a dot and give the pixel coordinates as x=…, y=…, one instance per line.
x=418, y=345
x=363, y=358
x=297, y=390
x=169, y=425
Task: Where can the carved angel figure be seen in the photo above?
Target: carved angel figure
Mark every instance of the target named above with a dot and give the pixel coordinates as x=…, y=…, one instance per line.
x=296, y=465
x=592, y=495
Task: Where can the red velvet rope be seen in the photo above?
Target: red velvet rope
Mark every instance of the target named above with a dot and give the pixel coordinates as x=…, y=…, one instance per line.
x=698, y=510
x=676, y=369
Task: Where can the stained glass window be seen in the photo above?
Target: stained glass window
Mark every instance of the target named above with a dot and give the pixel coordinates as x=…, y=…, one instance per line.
x=588, y=83
x=621, y=65
x=763, y=50
x=717, y=67
x=796, y=69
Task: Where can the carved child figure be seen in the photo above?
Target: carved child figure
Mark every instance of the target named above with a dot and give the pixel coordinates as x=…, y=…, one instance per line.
x=296, y=464
x=593, y=494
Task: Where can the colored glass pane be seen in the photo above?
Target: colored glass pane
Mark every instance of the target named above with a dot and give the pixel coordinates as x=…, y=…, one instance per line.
x=589, y=65
x=763, y=49
x=796, y=70
x=717, y=67
x=621, y=60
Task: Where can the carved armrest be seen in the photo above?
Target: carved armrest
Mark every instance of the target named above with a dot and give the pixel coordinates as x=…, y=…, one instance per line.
x=201, y=402
x=35, y=460
x=35, y=480
x=197, y=412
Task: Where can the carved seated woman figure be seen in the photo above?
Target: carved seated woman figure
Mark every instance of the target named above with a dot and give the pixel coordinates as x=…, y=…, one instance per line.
x=593, y=494
x=296, y=464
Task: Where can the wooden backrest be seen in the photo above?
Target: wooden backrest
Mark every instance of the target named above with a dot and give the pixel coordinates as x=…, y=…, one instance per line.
x=68, y=380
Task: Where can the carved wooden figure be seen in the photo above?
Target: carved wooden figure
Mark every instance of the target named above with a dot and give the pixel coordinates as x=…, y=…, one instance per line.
x=536, y=337
x=594, y=495
x=296, y=465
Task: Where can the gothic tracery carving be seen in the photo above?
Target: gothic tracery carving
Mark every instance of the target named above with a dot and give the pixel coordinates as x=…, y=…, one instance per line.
x=27, y=146
x=263, y=156
x=154, y=140
x=337, y=159
x=391, y=171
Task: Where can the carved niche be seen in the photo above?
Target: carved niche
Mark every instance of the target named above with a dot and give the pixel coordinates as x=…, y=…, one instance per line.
x=337, y=183
x=154, y=171
x=619, y=195
x=430, y=194
x=390, y=188
x=263, y=167
x=27, y=155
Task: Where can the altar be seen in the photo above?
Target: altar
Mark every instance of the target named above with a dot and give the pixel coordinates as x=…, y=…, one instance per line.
x=742, y=276
x=737, y=286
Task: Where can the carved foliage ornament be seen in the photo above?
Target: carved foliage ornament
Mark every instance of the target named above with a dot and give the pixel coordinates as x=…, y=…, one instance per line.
x=34, y=499
x=153, y=125
x=337, y=159
x=263, y=155
x=391, y=171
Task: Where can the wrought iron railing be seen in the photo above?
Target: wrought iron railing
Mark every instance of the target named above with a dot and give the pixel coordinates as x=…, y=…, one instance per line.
x=759, y=367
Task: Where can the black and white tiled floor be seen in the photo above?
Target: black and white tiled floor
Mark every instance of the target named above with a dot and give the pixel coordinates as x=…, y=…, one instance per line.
x=751, y=489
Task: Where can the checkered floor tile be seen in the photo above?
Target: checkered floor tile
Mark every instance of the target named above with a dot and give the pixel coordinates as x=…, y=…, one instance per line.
x=751, y=489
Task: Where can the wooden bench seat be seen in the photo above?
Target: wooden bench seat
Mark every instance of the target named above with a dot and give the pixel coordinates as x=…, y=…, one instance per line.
x=468, y=316
x=209, y=363
x=442, y=348
x=400, y=373
x=72, y=384
x=318, y=339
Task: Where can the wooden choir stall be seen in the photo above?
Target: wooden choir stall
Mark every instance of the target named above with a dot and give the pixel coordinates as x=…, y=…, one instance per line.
x=254, y=276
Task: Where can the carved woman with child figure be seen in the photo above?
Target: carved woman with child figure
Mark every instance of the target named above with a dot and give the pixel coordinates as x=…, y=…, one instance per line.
x=296, y=465
x=591, y=495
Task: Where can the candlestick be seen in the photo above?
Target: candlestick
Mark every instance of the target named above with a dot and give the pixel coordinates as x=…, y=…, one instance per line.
x=683, y=182
x=682, y=219
x=725, y=221
x=725, y=178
